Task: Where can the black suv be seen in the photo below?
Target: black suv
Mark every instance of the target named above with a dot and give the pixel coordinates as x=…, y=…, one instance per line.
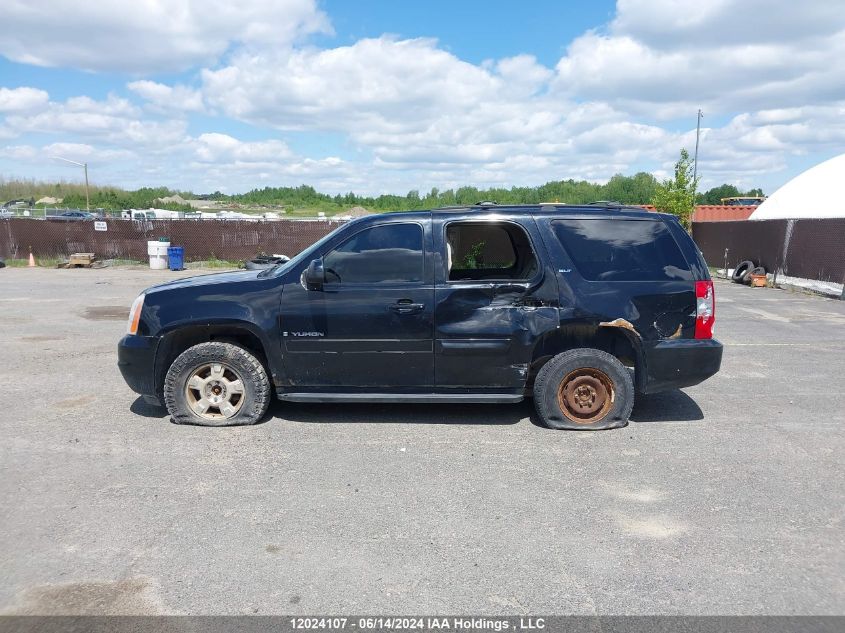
x=579, y=306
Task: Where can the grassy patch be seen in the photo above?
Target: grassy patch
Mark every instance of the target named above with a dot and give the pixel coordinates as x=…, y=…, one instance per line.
x=53, y=262
x=41, y=262
x=214, y=263
x=124, y=262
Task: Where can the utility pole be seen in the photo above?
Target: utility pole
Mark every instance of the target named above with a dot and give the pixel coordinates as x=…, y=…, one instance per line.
x=87, y=197
x=697, y=135
x=695, y=161
x=85, y=167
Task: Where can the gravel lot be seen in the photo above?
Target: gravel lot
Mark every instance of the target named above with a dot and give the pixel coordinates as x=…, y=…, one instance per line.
x=724, y=498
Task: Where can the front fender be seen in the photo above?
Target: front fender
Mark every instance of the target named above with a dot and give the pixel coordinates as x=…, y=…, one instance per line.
x=183, y=316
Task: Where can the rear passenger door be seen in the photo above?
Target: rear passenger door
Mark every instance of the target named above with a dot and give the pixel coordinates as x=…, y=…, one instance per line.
x=628, y=268
x=494, y=298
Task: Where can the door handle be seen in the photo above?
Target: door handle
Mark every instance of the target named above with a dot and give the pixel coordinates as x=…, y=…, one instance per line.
x=405, y=306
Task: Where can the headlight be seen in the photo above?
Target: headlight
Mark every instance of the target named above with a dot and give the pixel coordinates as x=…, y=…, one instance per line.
x=135, y=315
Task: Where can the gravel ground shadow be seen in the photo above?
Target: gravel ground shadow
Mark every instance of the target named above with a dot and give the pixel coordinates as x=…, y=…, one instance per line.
x=669, y=406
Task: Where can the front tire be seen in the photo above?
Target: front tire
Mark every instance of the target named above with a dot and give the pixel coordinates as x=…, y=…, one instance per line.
x=584, y=389
x=216, y=384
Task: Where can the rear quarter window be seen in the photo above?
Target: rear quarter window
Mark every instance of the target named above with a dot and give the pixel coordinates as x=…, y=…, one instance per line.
x=622, y=250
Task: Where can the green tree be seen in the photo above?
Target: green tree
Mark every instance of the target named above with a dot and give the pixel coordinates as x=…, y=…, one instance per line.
x=715, y=195
x=677, y=195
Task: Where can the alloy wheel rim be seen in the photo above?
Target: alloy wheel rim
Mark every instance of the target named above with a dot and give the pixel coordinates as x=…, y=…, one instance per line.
x=215, y=391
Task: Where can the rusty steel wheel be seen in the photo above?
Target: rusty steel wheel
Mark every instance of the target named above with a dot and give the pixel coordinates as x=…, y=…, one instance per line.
x=584, y=389
x=586, y=395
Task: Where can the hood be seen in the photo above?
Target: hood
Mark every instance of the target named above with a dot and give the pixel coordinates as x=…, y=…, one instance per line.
x=206, y=280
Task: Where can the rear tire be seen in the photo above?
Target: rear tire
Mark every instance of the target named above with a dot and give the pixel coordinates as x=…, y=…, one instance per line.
x=216, y=384
x=584, y=389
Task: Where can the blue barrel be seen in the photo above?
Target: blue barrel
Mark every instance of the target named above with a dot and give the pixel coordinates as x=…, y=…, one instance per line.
x=176, y=257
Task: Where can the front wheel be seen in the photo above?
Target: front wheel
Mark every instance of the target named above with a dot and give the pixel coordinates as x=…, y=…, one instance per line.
x=584, y=389
x=216, y=384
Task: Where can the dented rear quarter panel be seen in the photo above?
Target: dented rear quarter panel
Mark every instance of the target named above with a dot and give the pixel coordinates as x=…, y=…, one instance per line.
x=648, y=313
x=652, y=310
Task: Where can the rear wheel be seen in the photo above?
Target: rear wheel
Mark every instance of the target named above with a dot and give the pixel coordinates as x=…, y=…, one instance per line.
x=584, y=389
x=216, y=384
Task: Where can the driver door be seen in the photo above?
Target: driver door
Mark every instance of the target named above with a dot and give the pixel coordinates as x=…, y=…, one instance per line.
x=370, y=324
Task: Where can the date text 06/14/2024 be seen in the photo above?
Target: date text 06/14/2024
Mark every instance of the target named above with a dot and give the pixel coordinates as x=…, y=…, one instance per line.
x=418, y=623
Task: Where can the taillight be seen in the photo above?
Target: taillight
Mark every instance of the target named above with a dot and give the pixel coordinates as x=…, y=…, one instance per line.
x=705, y=309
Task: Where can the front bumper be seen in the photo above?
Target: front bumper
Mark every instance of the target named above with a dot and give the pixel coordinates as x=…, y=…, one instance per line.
x=672, y=364
x=136, y=361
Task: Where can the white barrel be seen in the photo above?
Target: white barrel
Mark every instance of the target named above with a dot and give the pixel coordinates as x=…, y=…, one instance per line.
x=158, y=254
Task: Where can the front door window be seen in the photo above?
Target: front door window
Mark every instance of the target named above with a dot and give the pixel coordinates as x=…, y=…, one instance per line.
x=386, y=254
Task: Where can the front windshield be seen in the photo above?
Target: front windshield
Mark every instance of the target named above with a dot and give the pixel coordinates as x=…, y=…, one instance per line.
x=282, y=267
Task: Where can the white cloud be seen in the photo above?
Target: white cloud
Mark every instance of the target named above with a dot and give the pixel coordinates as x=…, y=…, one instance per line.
x=45, y=155
x=215, y=147
x=163, y=98
x=717, y=23
x=20, y=152
x=664, y=57
x=523, y=73
x=22, y=99
x=414, y=106
x=147, y=36
x=374, y=82
x=113, y=120
x=83, y=152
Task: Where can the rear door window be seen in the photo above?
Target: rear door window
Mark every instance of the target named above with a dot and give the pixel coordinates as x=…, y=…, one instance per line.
x=477, y=251
x=622, y=250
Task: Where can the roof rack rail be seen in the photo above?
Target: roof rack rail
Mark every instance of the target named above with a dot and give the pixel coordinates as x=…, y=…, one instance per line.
x=486, y=203
x=605, y=203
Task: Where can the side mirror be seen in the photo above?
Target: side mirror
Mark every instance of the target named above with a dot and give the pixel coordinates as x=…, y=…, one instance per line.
x=314, y=275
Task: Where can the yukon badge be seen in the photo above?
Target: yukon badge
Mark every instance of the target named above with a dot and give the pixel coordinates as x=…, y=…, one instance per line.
x=304, y=334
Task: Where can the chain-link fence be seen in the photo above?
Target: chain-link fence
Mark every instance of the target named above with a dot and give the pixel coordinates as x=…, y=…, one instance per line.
x=232, y=240
x=52, y=212
x=810, y=249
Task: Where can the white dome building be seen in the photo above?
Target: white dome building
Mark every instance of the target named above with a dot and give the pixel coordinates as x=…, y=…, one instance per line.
x=815, y=193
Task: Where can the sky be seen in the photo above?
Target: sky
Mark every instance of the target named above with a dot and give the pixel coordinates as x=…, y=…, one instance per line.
x=384, y=97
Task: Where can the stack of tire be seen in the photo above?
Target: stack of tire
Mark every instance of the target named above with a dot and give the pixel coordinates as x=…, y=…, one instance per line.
x=743, y=271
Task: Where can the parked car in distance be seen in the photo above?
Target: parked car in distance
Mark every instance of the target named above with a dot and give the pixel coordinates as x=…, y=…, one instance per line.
x=579, y=307
x=72, y=216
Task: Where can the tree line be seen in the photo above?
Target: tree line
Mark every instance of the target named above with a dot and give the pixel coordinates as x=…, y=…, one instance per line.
x=641, y=188
x=72, y=195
